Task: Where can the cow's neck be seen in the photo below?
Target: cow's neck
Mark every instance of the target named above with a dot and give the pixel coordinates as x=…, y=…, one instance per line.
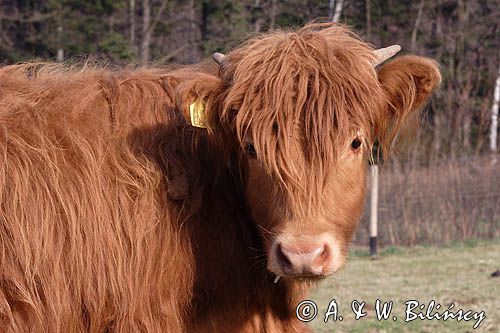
x=229, y=255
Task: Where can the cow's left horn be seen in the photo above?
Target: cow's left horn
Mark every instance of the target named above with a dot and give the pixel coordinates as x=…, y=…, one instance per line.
x=386, y=53
x=219, y=58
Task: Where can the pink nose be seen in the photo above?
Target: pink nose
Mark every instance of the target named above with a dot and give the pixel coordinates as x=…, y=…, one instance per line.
x=303, y=260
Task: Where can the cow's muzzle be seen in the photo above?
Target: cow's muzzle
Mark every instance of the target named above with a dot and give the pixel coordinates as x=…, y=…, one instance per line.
x=304, y=257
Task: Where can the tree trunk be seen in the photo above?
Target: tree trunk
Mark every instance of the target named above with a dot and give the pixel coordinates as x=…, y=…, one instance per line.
x=148, y=26
x=464, y=74
x=331, y=6
x=257, y=13
x=274, y=9
x=368, y=13
x=338, y=10
x=466, y=130
x=415, y=27
x=194, y=53
x=112, y=23
x=146, y=32
x=494, y=114
x=465, y=109
x=132, y=41
x=437, y=136
x=60, y=50
x=204, y=21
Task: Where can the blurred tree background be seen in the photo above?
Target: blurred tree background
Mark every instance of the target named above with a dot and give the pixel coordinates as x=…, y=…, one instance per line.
x=463, y=36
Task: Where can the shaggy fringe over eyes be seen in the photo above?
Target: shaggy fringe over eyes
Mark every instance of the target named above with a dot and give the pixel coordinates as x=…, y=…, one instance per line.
x=302, y=94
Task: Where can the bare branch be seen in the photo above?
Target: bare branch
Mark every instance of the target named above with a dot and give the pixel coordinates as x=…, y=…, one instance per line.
x=172, y=54
x=417, y=23
x=36, y=17
x=158, y=16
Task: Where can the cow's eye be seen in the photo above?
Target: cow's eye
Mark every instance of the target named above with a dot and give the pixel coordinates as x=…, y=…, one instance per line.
x=356, y=143
x=250, y=150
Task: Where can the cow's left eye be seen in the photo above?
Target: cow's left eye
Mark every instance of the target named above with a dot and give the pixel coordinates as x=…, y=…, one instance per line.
x=250, y=150
x=356, y=143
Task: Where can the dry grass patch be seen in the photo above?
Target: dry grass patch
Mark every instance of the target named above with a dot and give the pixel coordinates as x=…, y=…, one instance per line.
x=458, y=273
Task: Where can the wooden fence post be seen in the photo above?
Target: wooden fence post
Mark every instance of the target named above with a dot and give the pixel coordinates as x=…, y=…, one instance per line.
x=373, y=209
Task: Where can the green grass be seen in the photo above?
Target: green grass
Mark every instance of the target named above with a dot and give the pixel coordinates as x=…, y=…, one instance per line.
x=458, y=273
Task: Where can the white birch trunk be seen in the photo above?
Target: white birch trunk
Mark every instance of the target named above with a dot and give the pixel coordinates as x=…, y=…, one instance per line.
x=494, y=114
x=338, y=10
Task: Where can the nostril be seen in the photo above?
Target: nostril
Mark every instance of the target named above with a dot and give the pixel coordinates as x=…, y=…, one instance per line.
x=323, y=255
x=282, y=258
x=320, y=251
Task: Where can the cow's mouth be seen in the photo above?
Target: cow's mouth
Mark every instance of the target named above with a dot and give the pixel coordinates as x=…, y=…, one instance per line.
x=308, y=278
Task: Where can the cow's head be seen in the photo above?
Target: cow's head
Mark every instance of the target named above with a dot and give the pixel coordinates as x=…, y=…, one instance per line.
x=303, y=110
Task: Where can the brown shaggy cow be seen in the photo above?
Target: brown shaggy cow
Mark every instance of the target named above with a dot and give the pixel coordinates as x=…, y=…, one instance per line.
x=118, y=215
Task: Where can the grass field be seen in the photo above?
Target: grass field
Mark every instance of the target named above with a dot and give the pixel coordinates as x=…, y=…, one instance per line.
x=458, y=273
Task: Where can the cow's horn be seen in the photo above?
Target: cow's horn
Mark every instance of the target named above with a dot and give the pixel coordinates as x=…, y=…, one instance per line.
x=386, y=53
x=219, y=58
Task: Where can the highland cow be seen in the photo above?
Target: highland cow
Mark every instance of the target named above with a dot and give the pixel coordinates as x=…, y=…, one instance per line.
x=206, y=198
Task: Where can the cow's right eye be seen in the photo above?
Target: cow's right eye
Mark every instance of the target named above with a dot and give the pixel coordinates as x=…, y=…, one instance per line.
x=356, y=143
x=250, y=150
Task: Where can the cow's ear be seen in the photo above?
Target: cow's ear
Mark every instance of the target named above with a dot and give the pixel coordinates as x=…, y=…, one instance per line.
x=408, y=82
x=197, y=96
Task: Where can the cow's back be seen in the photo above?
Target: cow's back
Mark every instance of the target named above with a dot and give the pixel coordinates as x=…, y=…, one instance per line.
x=86, y=239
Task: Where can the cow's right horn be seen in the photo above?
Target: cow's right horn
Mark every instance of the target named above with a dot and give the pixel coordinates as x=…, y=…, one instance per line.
x=219, y=58
x=386, y=53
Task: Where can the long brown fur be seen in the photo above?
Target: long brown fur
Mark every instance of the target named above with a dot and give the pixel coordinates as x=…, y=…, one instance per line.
x=93, y=239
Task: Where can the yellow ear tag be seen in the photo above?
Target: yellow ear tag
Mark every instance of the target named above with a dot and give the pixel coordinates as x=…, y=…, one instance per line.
x=197, y=113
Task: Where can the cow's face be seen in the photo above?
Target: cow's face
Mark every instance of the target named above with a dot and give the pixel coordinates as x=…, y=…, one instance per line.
x=303, y=110
x=305, y=179
x=308, y=239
